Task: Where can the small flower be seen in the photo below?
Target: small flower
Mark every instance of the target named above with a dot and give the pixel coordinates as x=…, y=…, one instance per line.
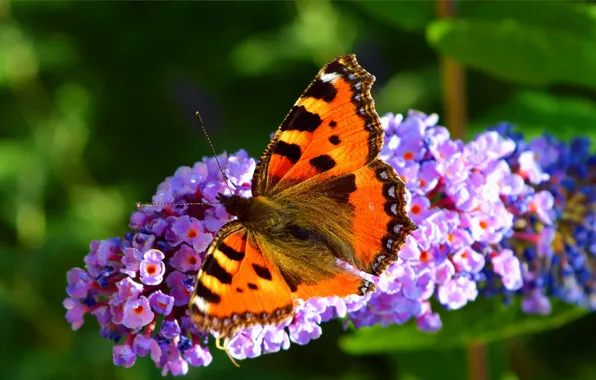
x=198, y=356
x=455, y=293
x=74, y=312
x=170, y=329
x=186, y=259
x=190, y=231
x=152, y=267
x=124, y=355
x=143, y=345
x=137, y=313
x=161, y=303
x=79, y=283
x=506, y=265
x=127, y=289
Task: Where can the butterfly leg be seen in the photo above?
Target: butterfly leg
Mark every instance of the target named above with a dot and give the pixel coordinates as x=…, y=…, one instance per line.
x=224, y=347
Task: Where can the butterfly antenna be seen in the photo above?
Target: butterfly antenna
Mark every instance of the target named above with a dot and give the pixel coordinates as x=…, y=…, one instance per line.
x=141, y=205
x=224, y=347
x=200, y=120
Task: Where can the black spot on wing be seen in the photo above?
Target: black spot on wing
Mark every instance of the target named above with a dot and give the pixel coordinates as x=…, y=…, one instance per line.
x=262, y=272
x=333, y=123
x=321, y=90
x=230, y=252
x=212, y=268
x=322, y=163
x=206, y=293
x=291, y=151
x=335, y=67
x=335, y=140
x=252, y=286
x=239, y=290
x=340, y=188
x=301, y=120
x=291, y=281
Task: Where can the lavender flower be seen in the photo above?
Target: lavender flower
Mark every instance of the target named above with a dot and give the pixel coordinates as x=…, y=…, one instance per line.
x=556, y=236
x=489, y=212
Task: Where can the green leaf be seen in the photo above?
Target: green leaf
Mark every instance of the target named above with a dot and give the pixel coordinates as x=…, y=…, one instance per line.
x=522, y=53
x=579, y=19
x=407, y=15
x=537, y=112
x=484, y=320
x=417, y=88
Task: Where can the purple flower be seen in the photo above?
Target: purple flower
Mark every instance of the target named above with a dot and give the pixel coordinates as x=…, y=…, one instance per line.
x=198, y=356
x=124, y=355
x=161, y=303
x=137, y=313
x=186, y=259
x=170, y=329
x=190, y=231
x=127, y=289
x=74, y=312
x=79, y=283
x=152, y=267
x=143, y=345
x=455, y=293
x=506, y=265
x=495, y=215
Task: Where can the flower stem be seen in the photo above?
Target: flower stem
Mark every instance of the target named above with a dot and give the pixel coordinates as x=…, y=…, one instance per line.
x=453, y=79
x=476, y=358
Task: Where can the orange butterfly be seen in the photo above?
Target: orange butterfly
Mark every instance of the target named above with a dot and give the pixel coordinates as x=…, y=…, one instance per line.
x=319, y=194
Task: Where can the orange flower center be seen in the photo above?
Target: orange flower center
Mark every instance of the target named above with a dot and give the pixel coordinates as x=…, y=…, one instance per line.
x=483, y=225
x=151, y=269
x=192, y=260
x=192, y=234
x=416, y=209
x=409, y=156
x=139, y=309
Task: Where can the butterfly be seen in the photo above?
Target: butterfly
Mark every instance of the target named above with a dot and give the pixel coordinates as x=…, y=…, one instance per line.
x=319, y=193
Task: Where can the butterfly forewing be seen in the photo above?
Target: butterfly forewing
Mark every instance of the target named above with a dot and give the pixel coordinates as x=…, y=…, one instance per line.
x=332, y=130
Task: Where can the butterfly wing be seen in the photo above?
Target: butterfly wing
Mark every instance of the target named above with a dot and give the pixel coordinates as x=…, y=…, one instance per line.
x=324, y=159
x=237, y=287
x=381, y=223
x=332, y=130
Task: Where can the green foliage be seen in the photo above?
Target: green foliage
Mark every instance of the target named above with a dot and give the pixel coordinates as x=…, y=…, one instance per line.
x=407, y=15
x=509, y=49
x=482, y=321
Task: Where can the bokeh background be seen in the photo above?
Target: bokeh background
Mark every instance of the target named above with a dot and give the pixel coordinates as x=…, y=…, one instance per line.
x=97, y=103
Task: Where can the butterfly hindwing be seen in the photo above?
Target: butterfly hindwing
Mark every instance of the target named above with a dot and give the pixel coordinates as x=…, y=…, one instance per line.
x=332, y=130
x=381, y=222
x=237, y=286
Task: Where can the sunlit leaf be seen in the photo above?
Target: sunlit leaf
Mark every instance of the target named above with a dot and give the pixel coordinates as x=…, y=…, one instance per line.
x=483, y=320
x=572, y=17
x=406, y=15
x=522, y=53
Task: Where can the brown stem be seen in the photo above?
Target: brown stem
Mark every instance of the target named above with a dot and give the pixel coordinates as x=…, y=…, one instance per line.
x=476, y=358
x=453, y=79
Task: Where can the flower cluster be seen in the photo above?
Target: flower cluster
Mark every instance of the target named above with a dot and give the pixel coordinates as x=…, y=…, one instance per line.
x=555, y=230
x=460, y=200
x=139, y=287
x=495, y=216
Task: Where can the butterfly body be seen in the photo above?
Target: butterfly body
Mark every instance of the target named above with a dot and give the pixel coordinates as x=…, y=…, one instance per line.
x=319, y=195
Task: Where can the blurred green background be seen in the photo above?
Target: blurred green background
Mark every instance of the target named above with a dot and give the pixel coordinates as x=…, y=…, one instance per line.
x=96, y=108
